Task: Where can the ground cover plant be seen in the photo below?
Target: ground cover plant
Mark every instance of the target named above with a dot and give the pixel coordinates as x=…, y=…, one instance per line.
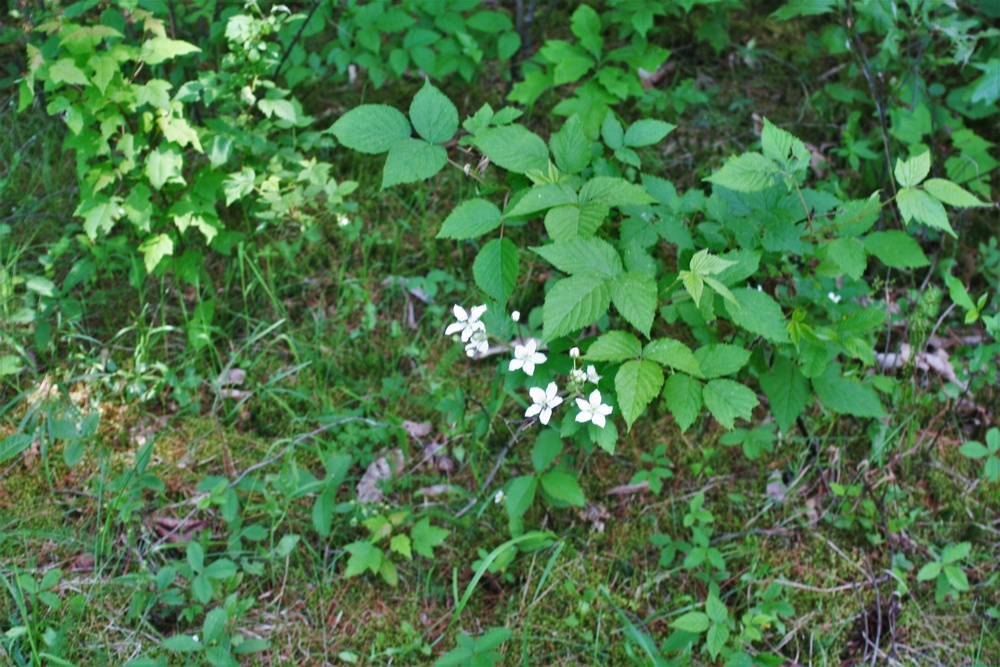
x=461, y=333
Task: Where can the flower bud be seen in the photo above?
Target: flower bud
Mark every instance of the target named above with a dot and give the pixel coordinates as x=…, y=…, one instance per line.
x=574, y=353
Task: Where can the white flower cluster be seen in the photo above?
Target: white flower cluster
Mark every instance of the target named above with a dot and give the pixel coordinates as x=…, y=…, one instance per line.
x=471, y=328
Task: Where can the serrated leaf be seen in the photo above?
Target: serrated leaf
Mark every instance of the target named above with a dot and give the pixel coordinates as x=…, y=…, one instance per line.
x=647, y=132
x=104, y=70
x=565, y=223
x=920, y=206
x=972, y=449
x=672, y=353
x=929, y=571
x=160, y=49
x=364, y=556
x=694, y=622
x=749, y=172
x=955, y=552
x=400, y=544
x=164, y=166
x=909, y=173
x=856, y=216
x=592, y=257
x=704, y=263
x=433, y=115
x=612, y=191
x=849, y=255
x=782, y=146
x=716, y=609
x=987, y=87
x=759, y=314
x=542, y=197
x=13, y=445
x=586, y=25
x=412, y=160
x=951, y=193
x=957, y=292
x=720, y=359
x=215, y=623
x=635, y=297
x=614, y=346
x=282, y=109
x=637, y=383
x=470, y=220
x=520, y=495
x=547, y=447
x=574, y=303
x=727, y=400
x=495, y=269
x=514, y=148
x=65, y=70
x=570, y=147
x=612, y=132
x=562, y=487
x=99, y=214
x=371, y=128
x=426, y=537
x=683, y=397
x=847, y=395
x=239, y=185
x=896, y=249
x=787, y=391
x=154, y=249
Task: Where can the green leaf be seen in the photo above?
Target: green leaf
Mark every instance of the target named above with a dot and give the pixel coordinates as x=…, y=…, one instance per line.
x=847, y=395
x=565, y=223
x=705, y=264
x=959, y=295
x=856, y=217
x=951, y=193
x=634, y=295
x=542, y=197
x=239, y=185
x=955, y=552
x=614, y=346
x=920, y=206
x=65, y=70
x=759, y=314
x=412, y=160
x=720, y=359
x=849, y=255
x=783, y=147
x=787, y=391
x=574, y=303
x=495, y=269
x=592, y=257
x=520, y=495
x=158, y=49
x=570, y=147
x=956, y=577
x=672, y=353
x=400, y=544
x=694, y=622
x=164, y=166
x=426, y=537
x=727, y=400
x=371, y=128
x=364, y=556
x=13, y=445
x=99, y=214
x=972, y=449
x=547, y=447
x=795, y=8
x=433, y=115
x=716, y=639
x=215, y=623
x=586, y=25
x=154, y=249
x=909, y=173
x=647, y=132
x=637, y=383
x=514, y=148
x=749, y=172
x=282, y=109
x=896, y=249
x=929, y=572
x=613, y=192
x=104, y=68
x=182, y=644
x=612, y=132
x=471, y=219
x=563, y=488
x=683, y=397
x=716, y=609
x=987, y=87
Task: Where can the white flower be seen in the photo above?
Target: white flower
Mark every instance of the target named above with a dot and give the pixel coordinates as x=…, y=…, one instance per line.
x=574, y=353
x=467, y=323
x=593, y=410
x=526, y=356
x=499, y=497
x=577, y=376
x=343, y=220
x=516, y=316
x=833, y=296
x=592, y=375
x=479, y=342
x=543, y=400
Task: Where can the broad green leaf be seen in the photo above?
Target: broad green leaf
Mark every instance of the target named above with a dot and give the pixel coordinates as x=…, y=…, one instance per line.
x=847, y=395
x=856, y=216
x=606, y=437
x=635, y=296
x=323, y=510
x=400, y=544
x=412, y=160
x=547, y=447
x=542, y=197
x=955, y=552
x=574, y=303
x=387, y=570
x=647, y=132
x=13, y=445
x=722, y=290
x=715, y=639
x=563, y=488
x=759, y=314
x=705, y=264
x=570, y=61
x=909, y=173
x=672, y=353
x=613, y=192
x=364, y=556
x=65, y=70
x=514, y=148
x=694, y=284
x=727, y=400
x=716, y=609
x=683, y=396
x=637, y=383
x=104, y=70
x=495, y=269
x=471, y=219
x=282, y=109
x=520, y=495
x=158, y=49
x=182, y=644
x=215, y=623
x=896, y=249
x=920, y=206
x=794, y=8
x=972, y=449
x=586, y=25
x=956, y=577
x=155, y=92
x=565, y=223
x=433, y=115
x=164, y=166
x=570, y=147
x=99, y=214
x=749, y=172
x=239, y=185
x=787, y=392
x=614, y=346
x=426, y=537
x=849, y=255
x=154, y=249
x=695, y=622
x=592, y=257
x=929, y=572
x=612, y=132
x=371, y=128
x=783, y=147
x=987, y=87
x=720, y=359
x=951, y=193
x=958, y=294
